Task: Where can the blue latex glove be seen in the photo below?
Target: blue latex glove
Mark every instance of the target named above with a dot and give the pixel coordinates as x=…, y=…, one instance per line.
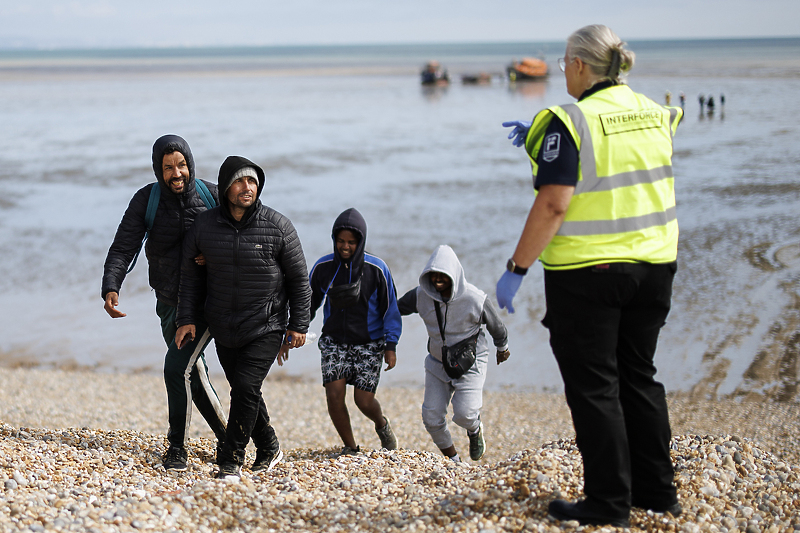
x=507, y=288
x=520, y=131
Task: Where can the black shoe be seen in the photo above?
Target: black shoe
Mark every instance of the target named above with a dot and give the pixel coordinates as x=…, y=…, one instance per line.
x=564, y=510
x=175, y=458
x=229, y=471
x=388, y=440
x=266, y=459
x=674, y=509
x=347, y=450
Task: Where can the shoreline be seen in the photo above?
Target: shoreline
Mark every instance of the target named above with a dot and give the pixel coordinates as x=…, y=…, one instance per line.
x=736, y=464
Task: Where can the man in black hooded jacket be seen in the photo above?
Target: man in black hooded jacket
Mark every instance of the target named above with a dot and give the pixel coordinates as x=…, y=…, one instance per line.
x=254, y=293
x=185, y=371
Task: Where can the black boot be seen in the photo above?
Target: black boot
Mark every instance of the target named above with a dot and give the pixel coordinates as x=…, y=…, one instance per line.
x=564, y=510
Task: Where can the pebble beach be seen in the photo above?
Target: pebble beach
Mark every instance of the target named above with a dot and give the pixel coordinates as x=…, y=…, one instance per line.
x=81, y=451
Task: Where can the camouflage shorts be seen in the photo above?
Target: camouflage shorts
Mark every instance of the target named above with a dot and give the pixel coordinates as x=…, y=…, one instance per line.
x=359, y=364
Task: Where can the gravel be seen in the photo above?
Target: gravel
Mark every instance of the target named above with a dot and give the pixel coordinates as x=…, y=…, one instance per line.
x=81, y=451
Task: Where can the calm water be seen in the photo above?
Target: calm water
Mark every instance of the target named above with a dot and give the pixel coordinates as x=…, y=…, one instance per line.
x=350, y=126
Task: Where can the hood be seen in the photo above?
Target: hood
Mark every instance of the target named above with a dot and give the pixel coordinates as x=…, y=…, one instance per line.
x=444, y=260
x=352, y=220
x=168, y=144
x=229, y=167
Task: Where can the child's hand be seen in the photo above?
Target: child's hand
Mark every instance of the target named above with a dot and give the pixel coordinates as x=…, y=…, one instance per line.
x=502, y=356
x=390, y=357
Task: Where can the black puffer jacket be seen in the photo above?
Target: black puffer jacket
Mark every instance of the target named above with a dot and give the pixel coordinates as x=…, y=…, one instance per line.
x=255, y=280
x=174, y=217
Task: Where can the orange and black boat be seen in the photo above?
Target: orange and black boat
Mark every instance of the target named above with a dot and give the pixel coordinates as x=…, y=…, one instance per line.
x=530, y=68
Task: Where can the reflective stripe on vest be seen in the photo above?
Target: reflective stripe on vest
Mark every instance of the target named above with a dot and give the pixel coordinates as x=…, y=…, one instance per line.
x=623, y=208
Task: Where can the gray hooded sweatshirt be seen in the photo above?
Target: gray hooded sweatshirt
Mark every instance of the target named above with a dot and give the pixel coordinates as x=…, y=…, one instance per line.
x=462, y=314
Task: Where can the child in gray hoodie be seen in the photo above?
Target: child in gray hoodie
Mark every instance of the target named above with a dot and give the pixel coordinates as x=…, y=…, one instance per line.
x=463, y=309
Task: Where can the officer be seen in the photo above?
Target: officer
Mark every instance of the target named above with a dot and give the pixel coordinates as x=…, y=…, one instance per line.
x=603, y=225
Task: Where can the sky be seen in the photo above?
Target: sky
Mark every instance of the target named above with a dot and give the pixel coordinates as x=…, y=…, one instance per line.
x=178, y=23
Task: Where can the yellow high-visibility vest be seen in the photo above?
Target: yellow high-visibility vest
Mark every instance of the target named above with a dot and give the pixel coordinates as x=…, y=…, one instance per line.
x=623, y=208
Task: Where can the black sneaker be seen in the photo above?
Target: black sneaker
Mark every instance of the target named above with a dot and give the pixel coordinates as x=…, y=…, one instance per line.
x=477, y=444
x=674, y=509
x=266, y=459
x=564, y=510
x=388, y=440
x=175, y=458
x=347, y=450
x=229, y=471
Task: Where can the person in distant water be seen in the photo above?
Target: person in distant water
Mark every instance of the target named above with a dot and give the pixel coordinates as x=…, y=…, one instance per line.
x=683, y=99
x=185, y=370
x=254, y=293
x=702, y=100
x=668, y=97
x=722, y=100
x=604, y=226
x=710, y=105
x=361, y=327
x=462, y=308
x=433, y=74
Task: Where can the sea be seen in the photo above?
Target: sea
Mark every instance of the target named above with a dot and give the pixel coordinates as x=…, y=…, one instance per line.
x=351, y=126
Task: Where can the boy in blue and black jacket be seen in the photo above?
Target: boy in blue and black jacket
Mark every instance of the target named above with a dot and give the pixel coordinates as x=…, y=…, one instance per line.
x=361, y=326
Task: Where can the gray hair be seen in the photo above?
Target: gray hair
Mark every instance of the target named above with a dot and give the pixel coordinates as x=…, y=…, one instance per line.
x=602, y=50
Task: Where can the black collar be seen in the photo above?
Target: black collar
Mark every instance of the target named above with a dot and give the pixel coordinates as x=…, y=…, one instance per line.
x=597, y=87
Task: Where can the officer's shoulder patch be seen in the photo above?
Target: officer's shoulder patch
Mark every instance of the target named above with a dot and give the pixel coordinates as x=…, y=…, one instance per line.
x=552, y=146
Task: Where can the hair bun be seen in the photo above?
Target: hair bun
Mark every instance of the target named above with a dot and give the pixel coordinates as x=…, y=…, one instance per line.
x=616, y=62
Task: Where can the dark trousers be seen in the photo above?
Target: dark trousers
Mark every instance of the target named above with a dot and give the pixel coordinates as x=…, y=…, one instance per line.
x=604, y=323
x=246, y=368
x=186, y=379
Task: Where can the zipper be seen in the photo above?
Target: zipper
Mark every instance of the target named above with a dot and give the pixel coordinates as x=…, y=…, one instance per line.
x=344, y=324
x=235, y=291
x=181, y=229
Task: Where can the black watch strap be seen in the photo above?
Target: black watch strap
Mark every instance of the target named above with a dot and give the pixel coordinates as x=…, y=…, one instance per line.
x=513, y=267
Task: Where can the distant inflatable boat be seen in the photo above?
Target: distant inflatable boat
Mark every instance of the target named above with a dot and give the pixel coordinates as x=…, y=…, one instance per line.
x=529, y=68
x=483, y=78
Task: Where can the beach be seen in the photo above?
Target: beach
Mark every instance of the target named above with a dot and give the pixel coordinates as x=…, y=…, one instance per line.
x=83, y=411
x=81, y=451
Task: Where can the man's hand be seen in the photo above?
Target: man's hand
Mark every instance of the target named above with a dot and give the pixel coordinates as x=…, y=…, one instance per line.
x=390, y=357
x=291, y=340
x=184, y=335
x=502, y=356
x=294, y=339
x=112, y=301
x=200, y=260
x=283, y=354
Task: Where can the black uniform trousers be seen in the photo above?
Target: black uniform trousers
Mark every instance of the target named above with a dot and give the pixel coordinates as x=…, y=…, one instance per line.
x=604, y=323
x=246, y=369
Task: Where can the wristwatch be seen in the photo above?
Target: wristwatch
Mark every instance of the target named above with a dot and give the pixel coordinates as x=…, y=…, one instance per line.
x=511, y=266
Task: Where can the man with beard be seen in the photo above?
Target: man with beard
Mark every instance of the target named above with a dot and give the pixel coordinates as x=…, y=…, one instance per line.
x=180, y=201
x=253, y=291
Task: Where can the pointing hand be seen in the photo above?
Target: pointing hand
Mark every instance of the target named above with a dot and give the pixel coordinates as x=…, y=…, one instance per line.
x=519, y=133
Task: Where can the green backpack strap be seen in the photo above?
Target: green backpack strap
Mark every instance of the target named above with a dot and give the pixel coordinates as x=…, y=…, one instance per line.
x=149, y=218
x=152, y=207
x=205, y=194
